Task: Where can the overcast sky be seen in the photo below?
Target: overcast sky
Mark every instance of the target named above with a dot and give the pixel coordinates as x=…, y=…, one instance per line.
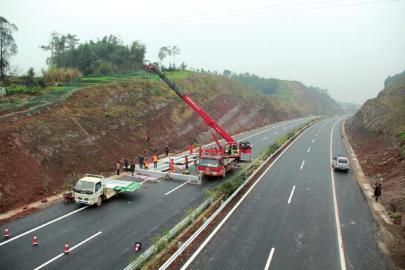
x=346, y=46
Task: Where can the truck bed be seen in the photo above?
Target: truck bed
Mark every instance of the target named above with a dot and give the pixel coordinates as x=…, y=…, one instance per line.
x=121, y=185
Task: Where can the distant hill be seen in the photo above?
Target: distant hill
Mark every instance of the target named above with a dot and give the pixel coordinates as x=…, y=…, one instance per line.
x=307, y=100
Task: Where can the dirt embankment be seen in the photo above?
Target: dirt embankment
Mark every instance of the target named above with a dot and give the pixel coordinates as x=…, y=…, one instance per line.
x=98, y=125
x=377, y=133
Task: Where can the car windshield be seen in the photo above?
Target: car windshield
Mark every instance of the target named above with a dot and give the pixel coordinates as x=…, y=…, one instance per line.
x=84, y=186
x=342, y=161
x=209, y=162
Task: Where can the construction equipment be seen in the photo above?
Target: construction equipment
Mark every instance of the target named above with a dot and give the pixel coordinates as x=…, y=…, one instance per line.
x=93, y=189
x=214, y=161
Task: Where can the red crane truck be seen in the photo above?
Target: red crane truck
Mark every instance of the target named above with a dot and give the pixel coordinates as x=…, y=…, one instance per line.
x=215, y=161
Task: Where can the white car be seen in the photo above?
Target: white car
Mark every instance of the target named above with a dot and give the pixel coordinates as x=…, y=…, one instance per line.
x=340, y=163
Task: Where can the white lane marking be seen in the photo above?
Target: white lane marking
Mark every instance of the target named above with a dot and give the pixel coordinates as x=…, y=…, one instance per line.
x=337, y=220
x=61, y=254
x=292, y=192
x=309, y=149
x=269, y=259
x=265, y=138
x=302, y=165
x=313, y=140
x=275, y=126
x=316, y=135
x=43, y=225
x=275, y=133
x=167, y=193
x=188, y=242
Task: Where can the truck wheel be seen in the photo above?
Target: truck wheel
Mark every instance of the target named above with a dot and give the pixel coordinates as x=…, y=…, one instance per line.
x=99, y=201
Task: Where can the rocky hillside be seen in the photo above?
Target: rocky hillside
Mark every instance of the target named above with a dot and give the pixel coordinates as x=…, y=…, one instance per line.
x=308, y=100
x=98, y=125
x=377, y=133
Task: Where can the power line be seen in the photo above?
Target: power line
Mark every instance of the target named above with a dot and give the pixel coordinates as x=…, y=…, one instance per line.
x=277, y=8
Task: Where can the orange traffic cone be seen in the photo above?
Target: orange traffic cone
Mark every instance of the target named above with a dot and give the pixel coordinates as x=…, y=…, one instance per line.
x=34, y=240
x=66, y=249
x=6, y=234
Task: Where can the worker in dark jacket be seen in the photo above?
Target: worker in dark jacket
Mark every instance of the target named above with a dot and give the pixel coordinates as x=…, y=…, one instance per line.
x=132, y=167
x=167, y=149
x=377, y=191
x=126, y=164
x=140, y=159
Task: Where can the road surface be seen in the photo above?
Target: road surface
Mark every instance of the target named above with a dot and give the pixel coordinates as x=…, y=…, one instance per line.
x=289, y=220
x=103, y=238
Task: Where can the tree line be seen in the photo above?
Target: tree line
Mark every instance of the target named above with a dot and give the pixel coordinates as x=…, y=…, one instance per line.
x=104, y=56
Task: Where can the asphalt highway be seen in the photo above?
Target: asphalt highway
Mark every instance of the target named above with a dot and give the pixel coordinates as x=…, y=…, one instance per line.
x=290, y=219
x=103, y=238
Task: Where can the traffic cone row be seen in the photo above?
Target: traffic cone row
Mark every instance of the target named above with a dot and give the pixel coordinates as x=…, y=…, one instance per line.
x=35, y=242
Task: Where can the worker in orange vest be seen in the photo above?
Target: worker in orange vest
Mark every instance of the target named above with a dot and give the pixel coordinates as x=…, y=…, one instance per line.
x=190, y=148
x=171, y=165
x=200, y=152
x=146, y=164
x=154, y=159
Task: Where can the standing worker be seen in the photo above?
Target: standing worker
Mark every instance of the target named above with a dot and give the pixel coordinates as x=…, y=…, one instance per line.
x=140, y=159
x=167, y=149
x=200, y=152
x=171, y=165
x=126, y=164
x=377, y=191
x=118, y=166
x=186, y=161
x=154, y=159
x=146, y=164
x=132, y=167
x=191, y=148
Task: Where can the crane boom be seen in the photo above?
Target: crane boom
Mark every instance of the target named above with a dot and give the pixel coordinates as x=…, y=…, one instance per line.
x=204, y=115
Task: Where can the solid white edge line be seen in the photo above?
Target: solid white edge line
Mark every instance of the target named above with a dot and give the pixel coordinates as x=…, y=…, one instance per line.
x=195, y=254
x=61, y=254
x=167, y=193
x=309, y=149
x=302, y=165
x=269, y=259
x=292, y=192
x=337, y=220
x=43, y=225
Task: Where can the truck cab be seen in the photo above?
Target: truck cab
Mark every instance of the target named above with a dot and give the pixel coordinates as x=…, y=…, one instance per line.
x=215, y=165
x=89, y=190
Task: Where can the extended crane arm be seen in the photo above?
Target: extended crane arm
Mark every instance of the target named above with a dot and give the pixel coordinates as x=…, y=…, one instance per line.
x=207, y=118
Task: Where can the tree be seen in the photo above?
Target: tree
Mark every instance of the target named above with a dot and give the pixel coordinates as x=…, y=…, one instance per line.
x=227, y=73
x=174, y=50
x=163, y=52
x=8, y=46
x=30, y=76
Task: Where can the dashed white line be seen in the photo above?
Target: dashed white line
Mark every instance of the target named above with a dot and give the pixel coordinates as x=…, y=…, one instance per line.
x=292, y=192
x=275, y=133
x=167, y=193
x=302, y=165
x=316, y=135
x=309, y=149
x=313, y=140
x=61, y=254
x=269, y=259
x=43, y=225
x=265, y=138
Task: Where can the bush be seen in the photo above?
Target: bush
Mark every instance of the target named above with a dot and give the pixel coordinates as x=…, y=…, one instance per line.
x=60, y=75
